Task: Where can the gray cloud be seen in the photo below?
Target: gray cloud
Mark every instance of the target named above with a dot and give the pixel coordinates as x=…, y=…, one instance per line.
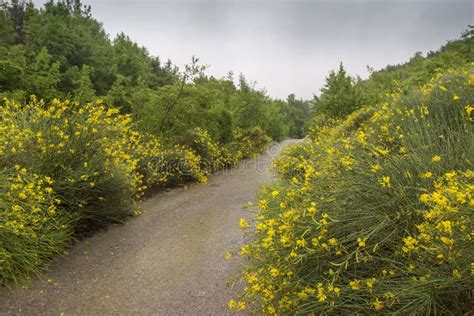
x=286, y=46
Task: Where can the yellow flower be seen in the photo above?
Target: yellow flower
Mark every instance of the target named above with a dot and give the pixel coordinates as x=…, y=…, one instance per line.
x=274, y=272
x=426, y=175
x=425, y=198
x=244, y=250
x=456, y=97
x=243, y=223
x=378, y=305
x=361, y=242
x=241, y=306
x=355, y=285
x=232, y=304
x=228, y=255
x=436, y=158
x=385, y=182
x=375, y=168
x=410, y=244
x=456, y=274
x=447, y=241
x=469, y=109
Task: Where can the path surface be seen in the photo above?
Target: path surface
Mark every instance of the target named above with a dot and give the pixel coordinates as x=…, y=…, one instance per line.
x=168, y=261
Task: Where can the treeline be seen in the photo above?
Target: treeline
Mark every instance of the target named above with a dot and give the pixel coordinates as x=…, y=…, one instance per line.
x=342, y=93
x=61, y=51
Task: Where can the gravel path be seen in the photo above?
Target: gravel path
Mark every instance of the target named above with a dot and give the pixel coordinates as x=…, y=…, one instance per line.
x=168, y=261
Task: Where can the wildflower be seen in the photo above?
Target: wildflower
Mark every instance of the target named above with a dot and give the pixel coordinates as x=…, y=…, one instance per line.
x=436, y=158
x=232, y=304
x=456, y=97
x=445, y=226
x=301, y=242
x=469, y=109
x=447, y=241
x=426, y=175
x=377, y=304
x=355, y=285
x=375, y=168
x=385, y=182
x=275, y=193
x=361, y=242
x=243, y=223
x=244, y=250
x=241, y=305
x=425, y=198
x=312, y=210
x=370, y=283
x=263, y=204
x=321, y=296
x=456, y=274
x=228, y=255
x=410, y=244
x=274, y=272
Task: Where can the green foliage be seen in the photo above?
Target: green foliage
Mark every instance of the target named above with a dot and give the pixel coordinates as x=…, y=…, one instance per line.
x=339, y=96
x=66, y=33
x=84, y=91
x=44, y=75
x=418, y=70
x=298, y=113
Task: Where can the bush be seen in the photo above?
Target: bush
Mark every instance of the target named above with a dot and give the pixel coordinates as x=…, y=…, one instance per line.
x=214, y=156
x=372, y=215
x=174, y=166
x=32, y=229
x=88, y=152
x=248, y=142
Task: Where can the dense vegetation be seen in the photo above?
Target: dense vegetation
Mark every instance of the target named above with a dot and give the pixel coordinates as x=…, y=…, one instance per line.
x=374, y=212
x=88, y=125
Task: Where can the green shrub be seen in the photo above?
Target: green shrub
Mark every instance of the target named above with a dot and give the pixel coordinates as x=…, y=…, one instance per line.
x=248, y=142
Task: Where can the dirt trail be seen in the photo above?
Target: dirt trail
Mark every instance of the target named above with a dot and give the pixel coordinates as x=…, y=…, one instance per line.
x=168, y=261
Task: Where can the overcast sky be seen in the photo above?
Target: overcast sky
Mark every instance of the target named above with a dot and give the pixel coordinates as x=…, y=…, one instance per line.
x=286, y=46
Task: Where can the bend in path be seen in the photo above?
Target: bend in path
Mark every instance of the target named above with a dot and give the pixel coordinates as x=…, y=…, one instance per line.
x=168, y=261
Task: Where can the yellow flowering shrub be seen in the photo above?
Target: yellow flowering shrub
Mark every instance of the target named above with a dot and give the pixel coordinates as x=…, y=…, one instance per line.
x=248, y=142
x=373, y=214
x=32, y=229
x=87, y=150
x=214, y=156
